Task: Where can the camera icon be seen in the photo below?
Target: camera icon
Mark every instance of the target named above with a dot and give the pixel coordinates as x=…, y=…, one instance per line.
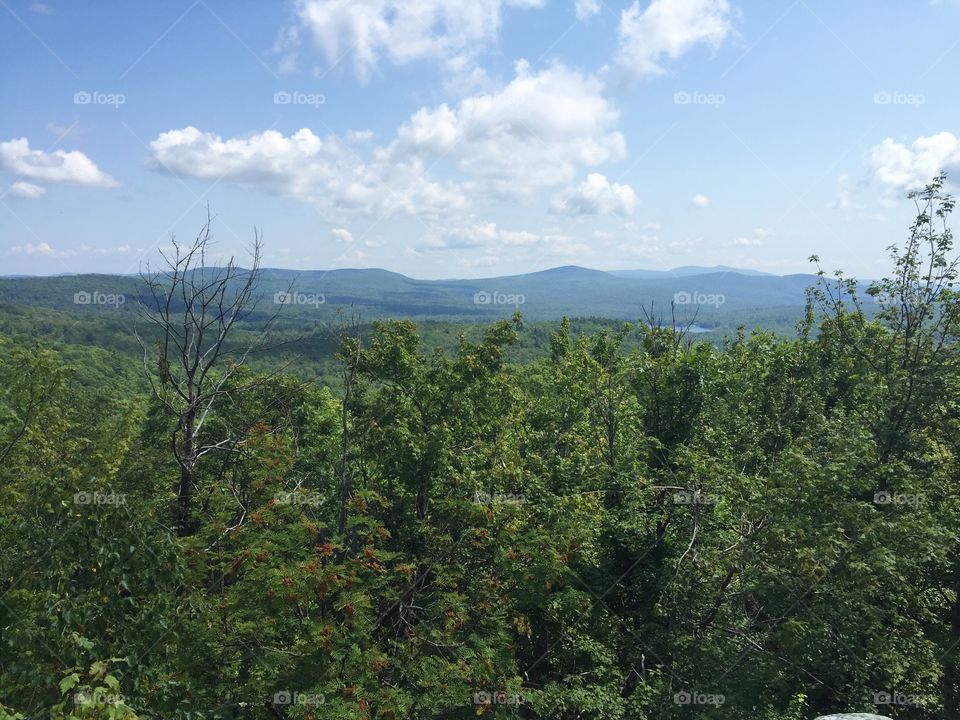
x=482, y=698
x=681, y=98
x=682, y=698
x=81, y=298
x=83, y=498
x=282, y=298
x=883, y=497
x=882, y=698
x=882, y=98
x=82, y=98
x=284, y=697
x=682, y=298
x=482, y=298
x=683, y=497
x=282, y=97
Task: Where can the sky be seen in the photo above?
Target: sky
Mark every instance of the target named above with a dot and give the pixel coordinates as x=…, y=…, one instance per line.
x=472, y=138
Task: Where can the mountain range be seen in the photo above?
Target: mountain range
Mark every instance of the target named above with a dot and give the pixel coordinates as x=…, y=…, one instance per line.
x=716, y=297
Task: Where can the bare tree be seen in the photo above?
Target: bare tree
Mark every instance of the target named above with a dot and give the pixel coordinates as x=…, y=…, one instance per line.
x=193, y=308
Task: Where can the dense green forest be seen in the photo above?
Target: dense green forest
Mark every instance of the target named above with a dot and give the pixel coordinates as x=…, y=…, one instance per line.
x=588, y=519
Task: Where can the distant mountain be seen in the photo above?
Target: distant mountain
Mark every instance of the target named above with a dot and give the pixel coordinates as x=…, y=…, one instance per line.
x=687, y=270
x=718, y=298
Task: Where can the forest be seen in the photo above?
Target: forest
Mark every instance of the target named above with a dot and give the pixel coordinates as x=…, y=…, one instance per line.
x=631, y=523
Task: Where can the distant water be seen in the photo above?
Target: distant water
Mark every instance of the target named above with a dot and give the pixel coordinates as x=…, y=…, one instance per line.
x=693, y=328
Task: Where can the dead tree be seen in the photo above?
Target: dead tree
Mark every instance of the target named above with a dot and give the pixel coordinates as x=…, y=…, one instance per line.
x=193, y=309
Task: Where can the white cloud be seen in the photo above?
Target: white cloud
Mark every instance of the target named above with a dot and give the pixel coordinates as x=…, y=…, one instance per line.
x=755, y=239
x=26, y=190
x=903, y=168
x=83, y=250
x=597, y=195
x=342, y=235
x=311, y=169
x=587, y=8
x=668, y=29
x=535, y=133
x=401, y=31
x=700, y=201
x=38, y=249
x=489, y=236
x=58, y=166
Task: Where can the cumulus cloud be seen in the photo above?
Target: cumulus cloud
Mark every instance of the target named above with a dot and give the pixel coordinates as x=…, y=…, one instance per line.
x=399, y=31
x=342, y=235
x=596, y=195
x=35, y=249
x=668, y=29
x=901, y=167
x=490, y=236
x=309, y=168
x=754, y=239
x=535, y=133
x=587, y=8
x=58, y=166
x=26, y=190
x=700, y=201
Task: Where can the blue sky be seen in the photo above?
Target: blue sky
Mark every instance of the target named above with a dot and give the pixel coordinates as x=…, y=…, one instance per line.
x=465, y=138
